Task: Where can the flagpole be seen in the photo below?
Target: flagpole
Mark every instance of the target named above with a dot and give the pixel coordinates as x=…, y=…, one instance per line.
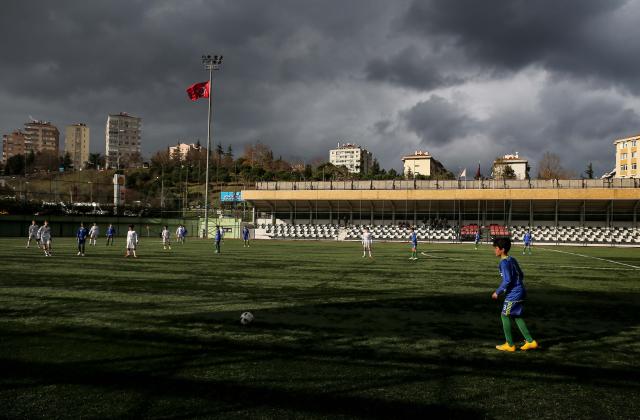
x=210, y=63
x=206, y=177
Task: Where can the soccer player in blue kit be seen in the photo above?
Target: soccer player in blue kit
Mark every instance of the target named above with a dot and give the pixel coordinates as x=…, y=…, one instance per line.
x=245, y=236
x=527, y=242
x=477, y=239
x=111, y=231
x=413, y=239
x=512, y=286
x=217, y=239
x=81, y=235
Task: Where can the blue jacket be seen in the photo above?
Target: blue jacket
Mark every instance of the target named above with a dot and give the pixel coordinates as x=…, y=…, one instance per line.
x=527, y=238
x=414, y=239
x=111, y=231
x=245, y=234
x=82, y=234
x=512, y=280
x=218, y=235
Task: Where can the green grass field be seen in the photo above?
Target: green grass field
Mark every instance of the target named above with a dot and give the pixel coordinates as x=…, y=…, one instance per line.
x=335, y=335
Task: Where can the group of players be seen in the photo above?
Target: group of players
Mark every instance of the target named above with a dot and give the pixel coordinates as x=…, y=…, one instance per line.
x=41, y=235
x=512, y=285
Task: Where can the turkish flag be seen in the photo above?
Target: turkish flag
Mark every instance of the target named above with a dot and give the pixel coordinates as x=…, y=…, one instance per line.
x=198, y=90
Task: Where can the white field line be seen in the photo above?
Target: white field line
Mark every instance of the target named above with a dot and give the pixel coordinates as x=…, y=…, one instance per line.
x=593, y=268
x=537, y=266
x=589, y=256
x=441, y=258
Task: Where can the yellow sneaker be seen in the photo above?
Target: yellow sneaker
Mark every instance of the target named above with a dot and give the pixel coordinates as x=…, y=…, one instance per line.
x=529, y=345
x=506, y=347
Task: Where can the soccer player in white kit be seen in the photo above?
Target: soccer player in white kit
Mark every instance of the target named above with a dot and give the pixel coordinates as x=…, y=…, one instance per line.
x=179, y=234
x=367, y=240
x=132, y=242
x=93, y=234
x=45, y=238
x=33, y=233
x=166, y=237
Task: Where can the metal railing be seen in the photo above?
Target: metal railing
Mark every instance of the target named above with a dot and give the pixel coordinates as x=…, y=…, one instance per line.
x=450, y=184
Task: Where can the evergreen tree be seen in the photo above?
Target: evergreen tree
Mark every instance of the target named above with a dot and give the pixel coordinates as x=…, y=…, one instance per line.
x=375, y=168
x=589, y=171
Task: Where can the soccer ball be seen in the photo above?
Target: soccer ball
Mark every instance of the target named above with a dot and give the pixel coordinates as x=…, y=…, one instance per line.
x=246, y=318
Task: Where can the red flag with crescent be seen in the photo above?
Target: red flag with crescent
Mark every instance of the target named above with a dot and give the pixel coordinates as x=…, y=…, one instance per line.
x=198, y=90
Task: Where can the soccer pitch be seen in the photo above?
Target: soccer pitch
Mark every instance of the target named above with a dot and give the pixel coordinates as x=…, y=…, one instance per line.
x=335, y=335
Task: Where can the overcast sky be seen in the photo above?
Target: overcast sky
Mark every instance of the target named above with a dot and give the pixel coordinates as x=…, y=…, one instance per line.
x=462, y=79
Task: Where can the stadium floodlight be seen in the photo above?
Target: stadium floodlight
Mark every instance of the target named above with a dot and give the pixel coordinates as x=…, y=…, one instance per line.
x=211, y=64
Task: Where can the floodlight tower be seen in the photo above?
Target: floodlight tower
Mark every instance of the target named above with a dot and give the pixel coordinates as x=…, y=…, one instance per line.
x=211, y=63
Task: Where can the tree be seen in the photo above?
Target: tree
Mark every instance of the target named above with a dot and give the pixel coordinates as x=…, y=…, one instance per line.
x=409, y=174
x=219, y=153
x=508, y=172
x=375, y=168
x=96, y=160
x=14, y=165
x=133, y=160
x=31, y=158
x=589, y=171
x=47, y=161
x=227, y=162
x=550, y=167
x=66, y=161
x=249, y=154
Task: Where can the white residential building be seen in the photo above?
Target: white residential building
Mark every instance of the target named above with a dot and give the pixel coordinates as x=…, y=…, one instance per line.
x=520, y=166
x=123, y=134
x=357, y=159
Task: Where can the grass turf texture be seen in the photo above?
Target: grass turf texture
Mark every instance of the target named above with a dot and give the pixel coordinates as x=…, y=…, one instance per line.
x=335, y=335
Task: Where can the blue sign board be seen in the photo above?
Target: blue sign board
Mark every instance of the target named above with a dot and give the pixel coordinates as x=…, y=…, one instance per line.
x=230, y=196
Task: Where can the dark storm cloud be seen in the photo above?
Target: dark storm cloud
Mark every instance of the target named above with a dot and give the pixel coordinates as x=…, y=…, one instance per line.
x=579, y=127
x=581, y=38
x=300, y=76
x=78, y=61
x=437, y=121
x=409, y=69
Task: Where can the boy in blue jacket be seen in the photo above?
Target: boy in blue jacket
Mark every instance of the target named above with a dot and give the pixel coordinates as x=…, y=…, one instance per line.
x=512, y=287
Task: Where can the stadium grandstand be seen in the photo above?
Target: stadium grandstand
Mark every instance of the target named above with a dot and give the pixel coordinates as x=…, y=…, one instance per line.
x=588, y=211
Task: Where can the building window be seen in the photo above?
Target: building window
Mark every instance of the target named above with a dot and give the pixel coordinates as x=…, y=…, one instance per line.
x=623, y=156
x=634, y=154
x=623, y=167
x=633, y=143
x=634, y=166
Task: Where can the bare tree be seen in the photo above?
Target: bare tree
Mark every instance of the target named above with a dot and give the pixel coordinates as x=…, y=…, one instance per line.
x=550, y=167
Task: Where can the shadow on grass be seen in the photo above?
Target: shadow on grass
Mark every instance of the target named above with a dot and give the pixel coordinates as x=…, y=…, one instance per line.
x=331, y=360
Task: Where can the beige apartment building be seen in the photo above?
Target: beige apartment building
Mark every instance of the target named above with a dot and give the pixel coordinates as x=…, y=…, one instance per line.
x=42, y=136
x=520, y=167
x=13, y=144
x=357, y=159
x=122, y=138
x=421, y=163
x=76, y=143
x=627, y=157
